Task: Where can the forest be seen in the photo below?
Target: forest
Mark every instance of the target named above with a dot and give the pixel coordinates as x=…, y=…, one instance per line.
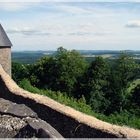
x=107, y=89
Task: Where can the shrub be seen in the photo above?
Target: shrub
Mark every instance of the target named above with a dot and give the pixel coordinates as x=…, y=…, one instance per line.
x=124, y=118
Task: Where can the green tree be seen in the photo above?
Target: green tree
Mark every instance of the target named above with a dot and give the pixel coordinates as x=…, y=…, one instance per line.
x=60, y=72
x=126, y=69
x=123, y=72
x=136, y=95
x=133, y=104
x=96, y=84
x=19, y=71
x=38, y=72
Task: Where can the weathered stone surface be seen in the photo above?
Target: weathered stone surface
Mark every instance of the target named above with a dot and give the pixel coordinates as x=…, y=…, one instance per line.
x=43, y=129
x=9, y=126
x=5, y=59
x=19, y=121
x=39, y=129
x=20, y=110
x=5, y=51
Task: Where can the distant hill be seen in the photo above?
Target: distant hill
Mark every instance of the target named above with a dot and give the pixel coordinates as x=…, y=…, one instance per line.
x=29, y=57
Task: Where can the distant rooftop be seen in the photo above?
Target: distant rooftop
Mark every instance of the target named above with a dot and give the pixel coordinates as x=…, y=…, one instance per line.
x=4, y=40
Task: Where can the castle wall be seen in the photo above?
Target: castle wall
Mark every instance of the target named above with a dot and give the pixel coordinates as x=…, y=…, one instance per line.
x=5, y=59
x=66, y=120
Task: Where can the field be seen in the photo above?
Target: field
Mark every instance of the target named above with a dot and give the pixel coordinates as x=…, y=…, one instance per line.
x=29, y=57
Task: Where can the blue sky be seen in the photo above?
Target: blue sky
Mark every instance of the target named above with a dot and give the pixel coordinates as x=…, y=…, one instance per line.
x=73, y=25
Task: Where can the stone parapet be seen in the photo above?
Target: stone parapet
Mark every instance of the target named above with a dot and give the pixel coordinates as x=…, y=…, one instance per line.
x=66, y=120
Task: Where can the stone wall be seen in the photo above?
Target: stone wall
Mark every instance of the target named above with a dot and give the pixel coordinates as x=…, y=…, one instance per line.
x=20, y=121
x=5, y=59
x=67, y=121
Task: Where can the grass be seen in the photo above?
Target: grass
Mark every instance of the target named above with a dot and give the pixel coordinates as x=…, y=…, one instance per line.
x=122, y=119
x=133, y=85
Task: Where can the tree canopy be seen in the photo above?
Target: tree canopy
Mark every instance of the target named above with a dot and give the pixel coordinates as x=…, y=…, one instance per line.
x=101, y=83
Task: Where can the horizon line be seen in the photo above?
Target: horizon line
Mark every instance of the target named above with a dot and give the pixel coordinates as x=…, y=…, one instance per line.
x=76, y=50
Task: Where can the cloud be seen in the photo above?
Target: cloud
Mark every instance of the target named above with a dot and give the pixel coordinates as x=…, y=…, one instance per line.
x=133, y=24
x=22, y=1
x=87, y=29
x=72, y=9
x=88, y=33
x=59, y=7
x=70, y=1
x=28, y=31
x=79, y=33
x=13, y=6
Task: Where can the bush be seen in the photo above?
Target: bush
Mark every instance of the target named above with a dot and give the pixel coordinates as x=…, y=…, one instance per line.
x=124, y=118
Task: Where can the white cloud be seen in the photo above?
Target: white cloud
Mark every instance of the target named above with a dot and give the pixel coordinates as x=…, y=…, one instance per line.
x=70, y=1
x=14, y=6
x=21, y=1
x=28, y=31
x=53, y=25
x=133, y=24
x=86, y=33
x=60, y=28
x=73, y=9
x=18, y=6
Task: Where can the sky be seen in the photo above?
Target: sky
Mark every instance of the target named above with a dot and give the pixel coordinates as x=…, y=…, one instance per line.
x=80, y=25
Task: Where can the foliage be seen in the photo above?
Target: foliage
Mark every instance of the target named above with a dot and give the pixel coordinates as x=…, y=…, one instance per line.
x=106, y=87
x=19, y=71
x=136, y=95
x=59, y=72
x=96, y=84
x=123, y=72
x=124, y=118
x=135, y=100
x=133, y=85
x=58, y=96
